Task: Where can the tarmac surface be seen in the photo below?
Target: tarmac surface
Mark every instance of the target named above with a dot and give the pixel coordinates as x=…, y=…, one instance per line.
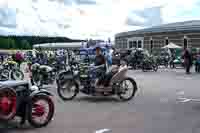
x=167, y=101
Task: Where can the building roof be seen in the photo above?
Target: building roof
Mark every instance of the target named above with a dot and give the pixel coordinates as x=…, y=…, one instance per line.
x=193, y=25
x=59, y=45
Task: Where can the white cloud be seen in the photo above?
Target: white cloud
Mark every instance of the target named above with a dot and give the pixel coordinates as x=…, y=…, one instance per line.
x=83, y=19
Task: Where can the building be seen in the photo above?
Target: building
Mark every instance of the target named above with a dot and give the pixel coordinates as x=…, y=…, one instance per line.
x=72, y=45
x=184, y=34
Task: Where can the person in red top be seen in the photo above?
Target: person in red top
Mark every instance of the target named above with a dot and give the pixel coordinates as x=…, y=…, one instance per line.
x=19, y=58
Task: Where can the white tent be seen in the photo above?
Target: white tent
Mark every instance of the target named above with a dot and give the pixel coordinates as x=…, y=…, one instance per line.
x=59, y=45
x=172, y=46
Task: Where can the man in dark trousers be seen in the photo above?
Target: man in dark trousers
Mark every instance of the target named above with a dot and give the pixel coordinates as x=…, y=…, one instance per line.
x=187, y=60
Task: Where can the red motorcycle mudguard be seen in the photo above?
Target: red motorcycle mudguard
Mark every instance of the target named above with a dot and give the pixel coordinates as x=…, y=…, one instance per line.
x=7, y=104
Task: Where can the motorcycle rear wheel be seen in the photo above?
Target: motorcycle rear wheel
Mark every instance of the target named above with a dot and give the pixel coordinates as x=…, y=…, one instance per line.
x=67, y=86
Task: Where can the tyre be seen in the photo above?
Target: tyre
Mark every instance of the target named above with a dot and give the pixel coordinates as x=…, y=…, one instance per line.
x=7, y=104
x=123, y=89
x=4, y=75
x=37, y=111
x=67, y=90
x=155, y=67
x=17, y=74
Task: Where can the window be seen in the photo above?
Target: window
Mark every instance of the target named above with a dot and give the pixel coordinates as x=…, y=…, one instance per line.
x=139, y=44
x=166, y=41
x=185, y=43
x=151, y=44
x=130, y=44
x=134, y=44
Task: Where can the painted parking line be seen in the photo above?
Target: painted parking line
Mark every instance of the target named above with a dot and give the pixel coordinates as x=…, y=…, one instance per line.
x=184, y=100
x=102, y=131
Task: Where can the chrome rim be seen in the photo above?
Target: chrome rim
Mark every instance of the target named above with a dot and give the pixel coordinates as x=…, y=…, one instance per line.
x=127, y=89
x=40, y=111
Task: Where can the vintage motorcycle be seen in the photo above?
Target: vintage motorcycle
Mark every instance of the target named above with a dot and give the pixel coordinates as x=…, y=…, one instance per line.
x=17, y=98
x=177, y=62
x=149, y=64
x=82, y=78
x=42, y=74
x=14, y=72
x=163, y=61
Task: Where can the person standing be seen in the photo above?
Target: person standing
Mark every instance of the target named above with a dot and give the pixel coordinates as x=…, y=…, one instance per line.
x=187, y=60
x=108, y=54
x=19, y=58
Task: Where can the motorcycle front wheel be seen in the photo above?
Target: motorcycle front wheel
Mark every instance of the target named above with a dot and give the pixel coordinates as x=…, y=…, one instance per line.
x=38, y=116
x=17, y=74
x=128, y=88
x=67, y=90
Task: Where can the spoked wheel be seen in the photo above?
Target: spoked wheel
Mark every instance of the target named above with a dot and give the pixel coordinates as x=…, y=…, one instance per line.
x=4, y=75
x=155, y=67
x=7, y=104
x=41, y=111
x=17, y=74
x=128, y=88
x=67, y=90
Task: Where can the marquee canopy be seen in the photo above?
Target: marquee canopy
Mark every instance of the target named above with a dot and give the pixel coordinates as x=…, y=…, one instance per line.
x=172, y=46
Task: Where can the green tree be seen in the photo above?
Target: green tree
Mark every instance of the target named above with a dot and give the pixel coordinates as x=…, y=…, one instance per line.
x=4, y=43
x=25, y=44
x=11, y=43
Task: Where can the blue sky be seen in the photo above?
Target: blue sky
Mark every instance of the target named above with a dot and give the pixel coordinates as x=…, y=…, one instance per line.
x=98, y=19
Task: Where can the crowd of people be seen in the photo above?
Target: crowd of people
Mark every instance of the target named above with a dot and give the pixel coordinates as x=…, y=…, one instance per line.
x=61, y=57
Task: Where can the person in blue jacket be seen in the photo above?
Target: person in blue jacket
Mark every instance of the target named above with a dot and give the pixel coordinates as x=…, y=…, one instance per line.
x=108, y=54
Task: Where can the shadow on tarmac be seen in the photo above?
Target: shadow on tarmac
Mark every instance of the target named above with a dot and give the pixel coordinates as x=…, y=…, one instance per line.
x=95, y=99
x=12, y=126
